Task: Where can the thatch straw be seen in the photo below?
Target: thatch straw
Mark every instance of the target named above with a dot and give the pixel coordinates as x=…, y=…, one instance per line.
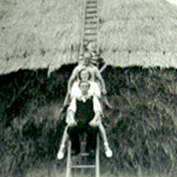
x=40, y=31
x=46, y=34
x=143, y=29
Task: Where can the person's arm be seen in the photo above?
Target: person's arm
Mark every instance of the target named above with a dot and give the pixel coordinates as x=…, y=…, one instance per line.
x=70, y=83
x=70, y=120
x=103, y=68
x=99, y=77
x=72, y=78
x=100, y=62
x=97, y=108
x=95, y=89
x=98, y=113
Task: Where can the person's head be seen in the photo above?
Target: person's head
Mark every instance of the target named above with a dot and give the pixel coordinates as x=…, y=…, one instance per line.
x=87, y=58
x=81, y=59
x=91, y=46
x=84, y=86
x=84, y=75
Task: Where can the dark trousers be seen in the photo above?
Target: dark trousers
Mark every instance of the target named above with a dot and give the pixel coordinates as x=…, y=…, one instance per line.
x=78, y=130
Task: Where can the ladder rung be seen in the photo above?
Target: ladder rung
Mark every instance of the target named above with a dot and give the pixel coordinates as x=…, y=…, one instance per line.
x=91, y=22
x=91, y=11
x=83, y=166
x=90, y=27
x=91, y=2
x=83, y=143
x=90, y=34
x=88, y=40
x=89, y=37
x=90, y=14
x=88, y=30
x=90, y=7
x=90, y=17
x=84, y=154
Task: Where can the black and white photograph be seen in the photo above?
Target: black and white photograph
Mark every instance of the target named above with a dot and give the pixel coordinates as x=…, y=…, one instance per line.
x=88, y=88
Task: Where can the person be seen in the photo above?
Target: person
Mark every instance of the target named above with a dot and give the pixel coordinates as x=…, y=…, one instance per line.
x=95, y=73
x=90, y=107
x=94, y=76
x=94, y=89
x=96, y=60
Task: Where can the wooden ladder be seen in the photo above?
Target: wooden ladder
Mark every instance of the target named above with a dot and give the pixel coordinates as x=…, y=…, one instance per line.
x=90, y=24
x=70, y=165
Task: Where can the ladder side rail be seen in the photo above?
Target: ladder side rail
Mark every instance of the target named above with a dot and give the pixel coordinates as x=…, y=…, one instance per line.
x=97, y=49
x=68, y=165
x=83, y=29
x=97, y=158
x=98, y=38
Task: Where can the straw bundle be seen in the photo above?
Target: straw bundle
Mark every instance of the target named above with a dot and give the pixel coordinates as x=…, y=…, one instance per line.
x=146, y=27
x=38, y=30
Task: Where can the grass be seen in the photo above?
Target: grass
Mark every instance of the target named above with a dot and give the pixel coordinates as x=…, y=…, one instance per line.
x=51, y=170
x=143, y=139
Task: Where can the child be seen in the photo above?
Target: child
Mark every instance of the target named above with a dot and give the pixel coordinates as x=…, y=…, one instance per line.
x=96, y=60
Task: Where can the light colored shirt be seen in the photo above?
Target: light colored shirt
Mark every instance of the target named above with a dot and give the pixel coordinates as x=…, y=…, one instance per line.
x=93, y=70
x=94, y=90
x=95, y=76
x=96, y=104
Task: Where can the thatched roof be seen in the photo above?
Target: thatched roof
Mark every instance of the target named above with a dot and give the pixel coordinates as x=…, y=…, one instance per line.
x=39, y=34
x=46, y=34
x=138, y=32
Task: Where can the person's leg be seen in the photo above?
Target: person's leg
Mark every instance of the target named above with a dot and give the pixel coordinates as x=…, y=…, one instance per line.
x=65, y=105
x=65, y=136
x=60, y=155
x=106, y=102
x=103, y=133
x=74, y=137
x=108, y=150
x=61, y=151
x=91, y=139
